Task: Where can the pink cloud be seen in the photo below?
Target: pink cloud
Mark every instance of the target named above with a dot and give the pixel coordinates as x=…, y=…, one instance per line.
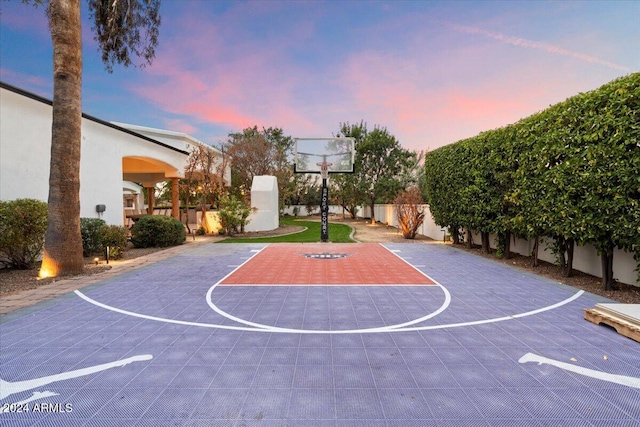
x=432, y=100
x=235, y=86
x=428, y=92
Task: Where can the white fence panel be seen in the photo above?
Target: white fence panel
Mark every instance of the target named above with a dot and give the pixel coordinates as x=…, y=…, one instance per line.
x=585, y=258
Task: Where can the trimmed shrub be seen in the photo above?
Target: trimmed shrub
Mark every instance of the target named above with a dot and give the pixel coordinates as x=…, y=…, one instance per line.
x=233, y=214
x=157, y=231
x=90, y=230
x=23, y=224
x=115, y=237
x=410, y=211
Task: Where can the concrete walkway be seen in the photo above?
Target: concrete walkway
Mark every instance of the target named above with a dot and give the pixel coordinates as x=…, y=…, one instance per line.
x=172, y=343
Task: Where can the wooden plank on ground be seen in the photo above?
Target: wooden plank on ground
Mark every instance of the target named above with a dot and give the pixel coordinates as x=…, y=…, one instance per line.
x=624, y=318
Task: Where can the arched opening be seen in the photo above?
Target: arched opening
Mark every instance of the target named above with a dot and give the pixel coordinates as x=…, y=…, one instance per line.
x=140, y=173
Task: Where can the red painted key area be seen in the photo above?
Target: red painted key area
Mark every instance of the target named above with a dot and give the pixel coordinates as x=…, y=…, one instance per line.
x=326, y=264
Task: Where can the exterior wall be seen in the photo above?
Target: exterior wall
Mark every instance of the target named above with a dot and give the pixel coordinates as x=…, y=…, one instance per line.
x=24, y=160
x=302, y=210
x=264, y=198
x=387, y=214
x=101, y=171
x=177, y=140
x=25, y=138
x=585, y=259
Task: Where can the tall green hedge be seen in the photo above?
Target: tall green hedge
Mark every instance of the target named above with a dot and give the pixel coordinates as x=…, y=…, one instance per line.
x=570, y=172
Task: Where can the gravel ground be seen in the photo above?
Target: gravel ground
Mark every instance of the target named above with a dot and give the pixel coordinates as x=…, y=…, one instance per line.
x=14, y=281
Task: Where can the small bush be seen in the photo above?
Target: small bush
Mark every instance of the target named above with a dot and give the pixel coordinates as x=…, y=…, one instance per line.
x=97, y=235
x=90, y=230
x=23, y=224
x=233, y=214
x=410, y=211
x=157, y=231
x=115, y=237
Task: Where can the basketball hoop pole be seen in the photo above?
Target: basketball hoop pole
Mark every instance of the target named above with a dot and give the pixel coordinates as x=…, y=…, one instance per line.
x=308, y=151
x=324, y=201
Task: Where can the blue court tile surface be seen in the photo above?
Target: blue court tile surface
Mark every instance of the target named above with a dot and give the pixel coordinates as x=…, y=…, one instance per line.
x=163, y=345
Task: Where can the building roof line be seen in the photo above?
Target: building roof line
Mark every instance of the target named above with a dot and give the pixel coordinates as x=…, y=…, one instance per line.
x=43, y=100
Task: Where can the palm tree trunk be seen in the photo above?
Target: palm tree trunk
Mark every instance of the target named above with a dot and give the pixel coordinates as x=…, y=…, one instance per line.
x=63, y=241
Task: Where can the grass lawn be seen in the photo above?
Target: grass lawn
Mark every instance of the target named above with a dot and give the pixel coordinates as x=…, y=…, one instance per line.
x=338, y=233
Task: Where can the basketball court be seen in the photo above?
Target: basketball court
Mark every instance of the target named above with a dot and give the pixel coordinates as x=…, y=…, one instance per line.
x=313, y=264
x=318, y=334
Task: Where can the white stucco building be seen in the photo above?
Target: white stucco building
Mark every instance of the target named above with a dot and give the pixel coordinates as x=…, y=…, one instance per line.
x=116, y=159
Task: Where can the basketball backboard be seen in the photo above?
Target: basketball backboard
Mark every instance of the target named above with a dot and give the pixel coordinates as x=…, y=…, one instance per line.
x=336, y=153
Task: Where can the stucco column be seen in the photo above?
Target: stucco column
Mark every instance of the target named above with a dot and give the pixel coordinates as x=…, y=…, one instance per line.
x=151, y=198
x=175, y=199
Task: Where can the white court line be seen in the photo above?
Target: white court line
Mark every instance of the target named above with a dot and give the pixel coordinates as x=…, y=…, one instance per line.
x=443, y=307
x=161, y=319
x=395, y=252
x=499, y=319
x=9, y=388
x=256, y=252
x=600, y=375
x=445, y=304
x=313, y=331
x=257, y=327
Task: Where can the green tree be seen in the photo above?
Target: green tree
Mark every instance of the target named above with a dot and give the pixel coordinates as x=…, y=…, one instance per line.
x=234, y=212
x=531, y=219
x=380, y=165
x=312, y=195
x=123, y=30
x=346, y=188
x=503, y=151
x=570, y=173
x=479, y=195
x=598, y=166
x=539, y=196
x=443, y=180
x=257, y=152
x=344, y=192
x=204, y=174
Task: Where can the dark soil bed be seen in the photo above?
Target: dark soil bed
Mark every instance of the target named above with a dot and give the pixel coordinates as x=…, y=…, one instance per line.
x=627, y=294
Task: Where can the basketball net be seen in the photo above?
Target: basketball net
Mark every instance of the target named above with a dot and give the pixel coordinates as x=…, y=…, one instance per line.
x=324, y=169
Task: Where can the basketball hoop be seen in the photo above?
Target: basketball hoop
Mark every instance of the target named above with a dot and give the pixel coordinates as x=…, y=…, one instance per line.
x=324, y=169
x=324, y=156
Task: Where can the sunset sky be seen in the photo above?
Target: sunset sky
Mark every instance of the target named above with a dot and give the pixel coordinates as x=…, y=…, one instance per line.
x=431, y=72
